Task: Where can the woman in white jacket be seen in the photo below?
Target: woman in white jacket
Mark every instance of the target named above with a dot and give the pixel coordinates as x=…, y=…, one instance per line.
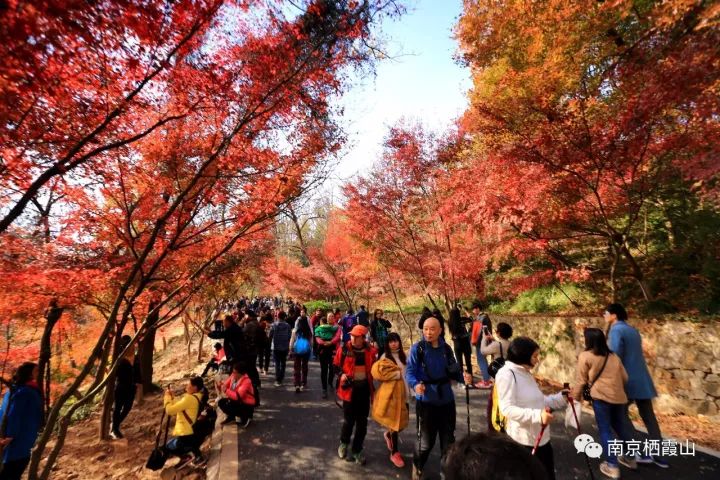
x=522, y=402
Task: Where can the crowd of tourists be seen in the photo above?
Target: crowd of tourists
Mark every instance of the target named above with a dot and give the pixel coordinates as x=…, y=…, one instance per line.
x=366, y=368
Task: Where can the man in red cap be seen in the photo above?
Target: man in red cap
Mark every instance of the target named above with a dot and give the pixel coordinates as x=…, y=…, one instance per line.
x=353, y=361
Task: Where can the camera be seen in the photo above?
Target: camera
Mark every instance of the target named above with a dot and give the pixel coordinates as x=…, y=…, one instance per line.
x=347, y=383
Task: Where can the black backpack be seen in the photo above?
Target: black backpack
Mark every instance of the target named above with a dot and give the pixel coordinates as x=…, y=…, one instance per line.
x=449, y=360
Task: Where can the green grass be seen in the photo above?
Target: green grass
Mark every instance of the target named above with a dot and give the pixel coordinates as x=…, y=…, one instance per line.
x=547, y=299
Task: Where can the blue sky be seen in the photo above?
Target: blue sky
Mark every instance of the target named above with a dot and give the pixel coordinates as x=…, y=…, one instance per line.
x=422, y=83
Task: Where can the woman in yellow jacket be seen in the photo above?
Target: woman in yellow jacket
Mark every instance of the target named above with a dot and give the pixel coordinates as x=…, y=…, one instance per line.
x=186, y=410
x=390, y=405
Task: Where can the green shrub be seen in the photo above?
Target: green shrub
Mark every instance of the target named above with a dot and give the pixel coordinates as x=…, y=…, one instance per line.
x=548, y=299
x=313, y=305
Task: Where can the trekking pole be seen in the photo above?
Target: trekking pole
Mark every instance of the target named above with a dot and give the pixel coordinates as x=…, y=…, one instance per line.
x=539, y=437
x=467, y=403
x=577, y=423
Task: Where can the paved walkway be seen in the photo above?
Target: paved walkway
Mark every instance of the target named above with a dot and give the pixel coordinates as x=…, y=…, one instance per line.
x=295, y=436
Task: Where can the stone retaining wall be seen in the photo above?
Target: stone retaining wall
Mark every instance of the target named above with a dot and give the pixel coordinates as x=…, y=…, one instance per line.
x=683, y=357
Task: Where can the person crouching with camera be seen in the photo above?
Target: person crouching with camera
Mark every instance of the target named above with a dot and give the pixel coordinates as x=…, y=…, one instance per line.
x=353, y=363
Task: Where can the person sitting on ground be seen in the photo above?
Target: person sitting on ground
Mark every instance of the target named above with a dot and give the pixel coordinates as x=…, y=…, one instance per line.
x=186, y=411
x=490, y=456
x=22, y=414
x=239, y=398
x=390, y=405
x=216, y=359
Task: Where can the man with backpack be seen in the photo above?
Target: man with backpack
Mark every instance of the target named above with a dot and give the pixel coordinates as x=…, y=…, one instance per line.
x=353, y=363
x=430, y=368
x=347, y=322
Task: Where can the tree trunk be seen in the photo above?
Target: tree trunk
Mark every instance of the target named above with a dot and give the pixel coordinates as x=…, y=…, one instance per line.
x=200, y=347
x=637, y=272
x=52, y=315
x=146, y=351
x=613, y=274
x=400, y=310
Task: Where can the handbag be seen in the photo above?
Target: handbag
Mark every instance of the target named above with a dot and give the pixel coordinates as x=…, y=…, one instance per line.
x=159, y=455
x=497, y=363
x=302, y=346
x=586, y=388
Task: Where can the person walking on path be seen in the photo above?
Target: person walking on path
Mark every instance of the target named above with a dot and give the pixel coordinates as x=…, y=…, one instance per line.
x=430, y=369
x=127, y=379
x=280, y=340
x=240, y=397
x=526, y=408
x=379, y=330
x=21, y=414
x=363, y=317
x=461, y=340
x=625, y=341
x=602, y=371
x=254, y=343
x=390, y=405
x=482, y=326
x=327, y=337
x=301, y=336
x=354, y=363
x=347, y=322
x=266, y=321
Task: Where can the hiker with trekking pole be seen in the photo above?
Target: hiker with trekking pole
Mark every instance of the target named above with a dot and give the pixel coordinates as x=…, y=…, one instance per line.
x=527, y=410
x=430, y=369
